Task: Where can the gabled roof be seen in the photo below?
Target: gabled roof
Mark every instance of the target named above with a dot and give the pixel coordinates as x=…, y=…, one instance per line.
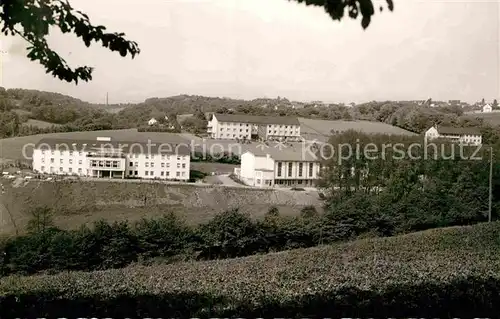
x=447, y=130
x=243, y=118
x=127, y=147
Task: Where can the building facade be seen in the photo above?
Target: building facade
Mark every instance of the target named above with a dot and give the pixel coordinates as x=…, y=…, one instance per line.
x=106, y=159
x=248, y=127
x=260, y=169
x=464, y=135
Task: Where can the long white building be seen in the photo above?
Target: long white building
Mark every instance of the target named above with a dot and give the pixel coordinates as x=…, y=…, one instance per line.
x=112, y=159
x=274, y=167
x=250, y=127
x=464, y=135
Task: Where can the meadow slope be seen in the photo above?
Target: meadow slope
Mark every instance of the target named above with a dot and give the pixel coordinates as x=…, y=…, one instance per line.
x=443, y=272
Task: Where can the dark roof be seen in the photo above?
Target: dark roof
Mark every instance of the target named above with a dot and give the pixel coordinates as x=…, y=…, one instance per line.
x=115, y=146
x=243, y=118
x=447, y=130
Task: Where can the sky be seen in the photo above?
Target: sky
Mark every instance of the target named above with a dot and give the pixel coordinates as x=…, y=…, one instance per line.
x=268, y=48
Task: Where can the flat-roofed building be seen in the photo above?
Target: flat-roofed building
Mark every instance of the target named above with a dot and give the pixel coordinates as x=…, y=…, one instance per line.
x=113, y=159
x=292, y=166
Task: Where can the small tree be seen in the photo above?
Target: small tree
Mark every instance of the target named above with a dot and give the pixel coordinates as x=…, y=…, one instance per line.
x=41, y=220
x=495, y=104
x=308, y=212
x=273, y=211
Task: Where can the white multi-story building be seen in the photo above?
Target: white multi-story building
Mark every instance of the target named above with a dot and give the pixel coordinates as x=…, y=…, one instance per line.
x=464, y=135
x=250, y=127
x=112, y=159
x=274, y=167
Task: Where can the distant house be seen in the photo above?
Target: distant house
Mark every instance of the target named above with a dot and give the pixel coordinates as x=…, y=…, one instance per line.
x=465, y=135
x=152, y=121
x=487, y=108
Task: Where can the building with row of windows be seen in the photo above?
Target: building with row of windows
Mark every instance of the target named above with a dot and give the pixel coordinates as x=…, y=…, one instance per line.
x=250, y=127
x=464, y=135
x=112, y=159
x=275, y=167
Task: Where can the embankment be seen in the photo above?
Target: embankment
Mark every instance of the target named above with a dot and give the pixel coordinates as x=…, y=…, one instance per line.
x=77, y=202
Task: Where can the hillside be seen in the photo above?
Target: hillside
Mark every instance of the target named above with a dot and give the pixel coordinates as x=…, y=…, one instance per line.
x=89, y=201
x=449, y=272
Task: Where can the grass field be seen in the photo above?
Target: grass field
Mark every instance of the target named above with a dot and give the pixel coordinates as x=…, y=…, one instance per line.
x=492, y=118
x=322, y=129
x=12, y=148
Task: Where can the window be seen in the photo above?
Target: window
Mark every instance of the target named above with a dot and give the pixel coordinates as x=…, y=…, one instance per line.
x=147, y=164
x=279, y=169
x=43, y=160
x=178, y=158
x=51, y=169
x=60, y=169
x=52, y=160
x=130, y=172
x=300, y=169
x=80, y=162
x=146, y=173
x=80, y=153
x=183, y=174
x=70, y=153
x=152, y=164
x=43, y=168
x=162, y=156
x=311, y=169
x=70, y=170
x=178, y=174
x=168, y=173
x=162, y=173
x=131, y=164
x=162, y=164
x=151, y=173
x=178, y=165
x=147, y=157
x=80, y=170
x=52, y=152
x=70, y=161
x=136, y=173
x=61, y=161
x=136, y=163
x=115, y=164
x=168, y=165
x=289, y=169
x=43, y=152
x=183, y=165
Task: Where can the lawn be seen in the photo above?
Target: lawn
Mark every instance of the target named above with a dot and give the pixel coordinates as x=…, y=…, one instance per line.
x=311, y=127
x=492, y=118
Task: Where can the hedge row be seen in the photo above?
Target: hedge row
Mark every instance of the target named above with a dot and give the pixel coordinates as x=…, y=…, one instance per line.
x=450, y=272
x=228, y=235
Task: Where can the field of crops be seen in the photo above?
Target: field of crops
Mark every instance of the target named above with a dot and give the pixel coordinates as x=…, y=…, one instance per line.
x=444, y=273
